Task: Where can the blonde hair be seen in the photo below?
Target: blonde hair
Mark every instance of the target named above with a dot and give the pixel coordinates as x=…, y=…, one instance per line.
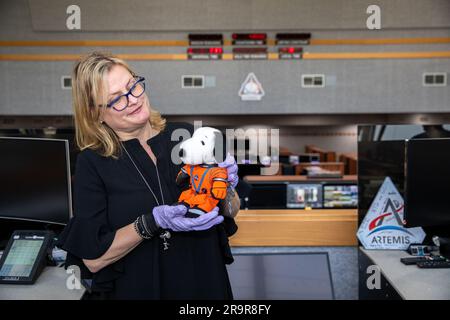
x=89, y=90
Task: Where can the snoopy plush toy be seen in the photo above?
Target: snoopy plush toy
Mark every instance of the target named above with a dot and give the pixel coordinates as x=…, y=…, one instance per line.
x=208, y=184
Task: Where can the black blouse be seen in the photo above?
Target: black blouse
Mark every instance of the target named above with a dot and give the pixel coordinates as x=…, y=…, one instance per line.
x=110, y=194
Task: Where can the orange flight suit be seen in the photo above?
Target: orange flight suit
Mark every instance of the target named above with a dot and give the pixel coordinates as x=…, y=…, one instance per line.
x=208, y=185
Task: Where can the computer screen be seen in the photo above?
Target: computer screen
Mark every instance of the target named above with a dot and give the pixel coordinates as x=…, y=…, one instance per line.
x=304, y=195
x=35, y=180
x=267, y=196
x=21, y=257
x=427, y=182
x=340, y=196
x=300, y=158
x=308, y=158
x=286, y=159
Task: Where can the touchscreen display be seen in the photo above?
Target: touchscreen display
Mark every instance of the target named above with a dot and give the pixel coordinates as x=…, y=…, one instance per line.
x=21, y=258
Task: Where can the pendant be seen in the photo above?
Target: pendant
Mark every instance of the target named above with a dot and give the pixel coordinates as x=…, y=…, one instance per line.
x=166, y=235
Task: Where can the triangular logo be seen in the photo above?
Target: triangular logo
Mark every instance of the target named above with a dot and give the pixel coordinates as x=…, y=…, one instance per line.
x=382, y=227
x=251, y=89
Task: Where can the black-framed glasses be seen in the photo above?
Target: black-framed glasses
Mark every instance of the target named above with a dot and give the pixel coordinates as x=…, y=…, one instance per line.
x=121, y=102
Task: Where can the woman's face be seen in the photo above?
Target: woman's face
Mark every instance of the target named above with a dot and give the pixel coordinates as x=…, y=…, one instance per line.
x=137, y=113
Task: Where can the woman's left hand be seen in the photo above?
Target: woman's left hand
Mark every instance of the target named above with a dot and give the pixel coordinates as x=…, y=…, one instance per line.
x=232, y=170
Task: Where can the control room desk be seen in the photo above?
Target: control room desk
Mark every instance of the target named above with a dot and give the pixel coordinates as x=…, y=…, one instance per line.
x=296, y=227
x=50, y=285
x=400, y=281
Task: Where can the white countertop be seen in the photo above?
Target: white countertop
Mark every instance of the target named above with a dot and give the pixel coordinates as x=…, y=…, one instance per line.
x=50, y=285
x=411, y=282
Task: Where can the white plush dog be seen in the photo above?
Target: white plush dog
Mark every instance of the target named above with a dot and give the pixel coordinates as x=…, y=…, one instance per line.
x=201, y=147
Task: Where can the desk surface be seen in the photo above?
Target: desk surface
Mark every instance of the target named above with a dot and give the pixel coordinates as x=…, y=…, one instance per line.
x=411, y=282
x=51, y=285
x=296, y=227
x=298, y=178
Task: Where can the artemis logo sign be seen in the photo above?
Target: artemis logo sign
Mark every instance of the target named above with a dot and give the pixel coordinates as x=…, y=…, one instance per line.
x=374, y=280
x=73, y=21
x=373, y=22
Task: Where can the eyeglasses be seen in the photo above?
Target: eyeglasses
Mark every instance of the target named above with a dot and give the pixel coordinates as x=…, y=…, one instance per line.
x=121, y=102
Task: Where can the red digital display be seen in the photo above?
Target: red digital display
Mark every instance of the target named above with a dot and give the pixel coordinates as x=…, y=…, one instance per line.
x=249, y=50
x=213, y=53
x=290, y=50
x=292, y=38
x=249, y=53
x=290, y=53
x=249, y=38
x=217, y=50
x=206, y=39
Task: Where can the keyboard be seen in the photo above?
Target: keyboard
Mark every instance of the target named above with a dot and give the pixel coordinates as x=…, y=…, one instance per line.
x=434, y=264
x=414, y=260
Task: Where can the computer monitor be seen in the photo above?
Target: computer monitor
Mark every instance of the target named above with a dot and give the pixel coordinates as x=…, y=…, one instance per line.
x=309, y=157
x=340, y=196
x=267, y=196
x=304, y=195
x=427, y=182
x=295, y=159
x=285, y=159
x=35, y=180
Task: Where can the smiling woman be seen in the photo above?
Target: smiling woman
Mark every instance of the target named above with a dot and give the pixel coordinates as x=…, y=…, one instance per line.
x=124, y=189
x=128, y=109
x=108, y=79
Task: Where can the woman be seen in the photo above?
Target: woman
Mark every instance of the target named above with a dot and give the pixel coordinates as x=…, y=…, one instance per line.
x=125, y=234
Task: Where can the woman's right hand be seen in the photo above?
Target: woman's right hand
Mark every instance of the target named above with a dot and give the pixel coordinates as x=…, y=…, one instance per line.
x=173, y=217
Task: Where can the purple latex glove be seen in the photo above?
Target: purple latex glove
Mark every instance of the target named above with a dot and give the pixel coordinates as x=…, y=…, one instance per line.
x=232, y=170
x=172, y=217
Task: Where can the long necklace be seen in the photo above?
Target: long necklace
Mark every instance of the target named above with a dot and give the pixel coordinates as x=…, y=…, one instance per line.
x=166, y=234
x=145, y=180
